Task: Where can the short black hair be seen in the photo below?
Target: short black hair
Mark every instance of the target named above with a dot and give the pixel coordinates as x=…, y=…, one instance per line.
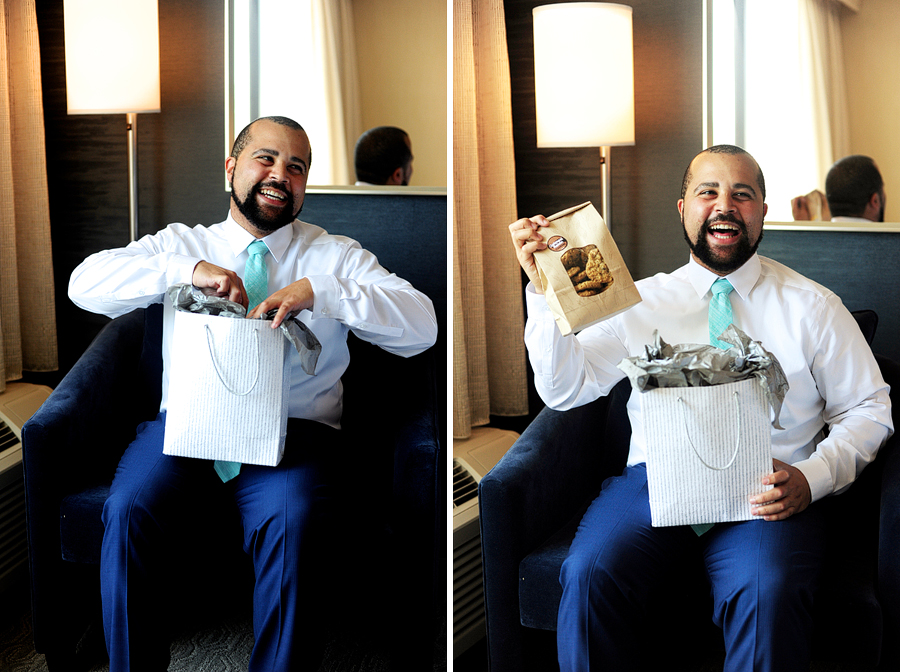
x=379, y=152
x=240, y=142
x=850, y=183
x=724, y=149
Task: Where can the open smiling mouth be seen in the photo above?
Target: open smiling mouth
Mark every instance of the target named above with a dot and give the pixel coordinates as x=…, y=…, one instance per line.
x=273, y=195
x=724, y=230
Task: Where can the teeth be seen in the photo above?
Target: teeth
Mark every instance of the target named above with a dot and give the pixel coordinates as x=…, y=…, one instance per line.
x=272, y=194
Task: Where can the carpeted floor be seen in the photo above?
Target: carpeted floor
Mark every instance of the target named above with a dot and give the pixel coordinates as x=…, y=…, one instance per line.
x=223, y=648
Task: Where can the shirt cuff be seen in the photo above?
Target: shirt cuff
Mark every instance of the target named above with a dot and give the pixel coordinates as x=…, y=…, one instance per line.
x=180, y=269
x=326, y=296
x=818, y=475
x=536, y=304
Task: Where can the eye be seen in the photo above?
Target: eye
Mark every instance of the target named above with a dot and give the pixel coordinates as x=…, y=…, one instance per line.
x=263, y=158
x=297, y=169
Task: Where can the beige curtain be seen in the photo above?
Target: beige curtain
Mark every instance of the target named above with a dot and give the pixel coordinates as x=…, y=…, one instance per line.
x=333, y=22
x=27, y=308
x=488, y=324
x=822, y=60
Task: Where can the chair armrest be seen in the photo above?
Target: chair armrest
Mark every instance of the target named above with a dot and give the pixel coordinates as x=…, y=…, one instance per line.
x=75, y=439
x=74, y=429
x=889, y=525
x=532, y=491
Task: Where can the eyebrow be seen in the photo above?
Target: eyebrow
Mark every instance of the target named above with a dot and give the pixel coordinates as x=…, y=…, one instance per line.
x=740, y=186
x=273, y=152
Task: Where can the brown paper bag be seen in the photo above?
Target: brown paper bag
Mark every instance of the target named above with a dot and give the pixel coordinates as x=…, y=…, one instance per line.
x=583, y=275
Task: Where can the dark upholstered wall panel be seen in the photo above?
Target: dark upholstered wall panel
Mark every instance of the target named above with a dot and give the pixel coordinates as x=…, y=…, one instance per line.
x=861, y=268
x=181, y=151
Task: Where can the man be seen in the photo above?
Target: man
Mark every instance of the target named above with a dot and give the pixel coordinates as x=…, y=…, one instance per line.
x=854, y=191
x=329, y=283
x=762, y=572
x=383, y=155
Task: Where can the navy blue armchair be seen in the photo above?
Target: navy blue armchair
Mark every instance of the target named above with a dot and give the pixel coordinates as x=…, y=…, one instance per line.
x=73, y=443
x=531, y=503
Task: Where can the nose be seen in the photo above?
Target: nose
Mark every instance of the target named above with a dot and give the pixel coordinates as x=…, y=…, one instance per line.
x=725, y=203
x=277, y=173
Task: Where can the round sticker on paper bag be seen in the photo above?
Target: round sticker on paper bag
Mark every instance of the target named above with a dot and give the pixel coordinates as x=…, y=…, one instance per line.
x=557, y=243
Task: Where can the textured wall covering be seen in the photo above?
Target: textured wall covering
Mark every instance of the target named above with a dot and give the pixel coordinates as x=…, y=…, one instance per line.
x=646, y=178
x=181, y=151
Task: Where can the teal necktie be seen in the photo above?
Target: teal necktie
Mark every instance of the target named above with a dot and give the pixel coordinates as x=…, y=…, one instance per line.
x=256, y=283
x=256, y=278
x=720, y=316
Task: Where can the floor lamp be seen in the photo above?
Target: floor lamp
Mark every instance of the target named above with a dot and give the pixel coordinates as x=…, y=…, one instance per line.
x=112, y=66
x=584, y=80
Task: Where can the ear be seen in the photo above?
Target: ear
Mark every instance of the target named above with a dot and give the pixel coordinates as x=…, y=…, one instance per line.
x=680, y=206
x=229, y=167
x=396, y=177
x=873, y=207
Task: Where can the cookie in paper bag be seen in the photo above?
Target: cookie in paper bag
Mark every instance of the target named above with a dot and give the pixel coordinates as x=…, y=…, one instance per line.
x=583, y=275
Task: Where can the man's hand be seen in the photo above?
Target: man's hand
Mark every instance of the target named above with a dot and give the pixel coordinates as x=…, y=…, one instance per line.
x=800, y=209
x=527, y=240
x=790, y=495
x=289, y=301
x=225, y=282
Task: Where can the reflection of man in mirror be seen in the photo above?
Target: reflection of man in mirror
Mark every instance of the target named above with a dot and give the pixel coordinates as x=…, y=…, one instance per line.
x=854, y=191
x=383, y=155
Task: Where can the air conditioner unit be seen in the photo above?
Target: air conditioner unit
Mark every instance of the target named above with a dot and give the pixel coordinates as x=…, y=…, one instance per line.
x=472, y=459
x=17, y=404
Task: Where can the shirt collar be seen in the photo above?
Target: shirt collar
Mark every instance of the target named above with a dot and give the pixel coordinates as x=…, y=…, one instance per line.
x=239, y=238
x=851, y=220
x=743, y=279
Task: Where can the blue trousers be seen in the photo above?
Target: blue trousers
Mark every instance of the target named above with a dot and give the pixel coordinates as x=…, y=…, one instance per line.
x=282, y=511
x=762, y=576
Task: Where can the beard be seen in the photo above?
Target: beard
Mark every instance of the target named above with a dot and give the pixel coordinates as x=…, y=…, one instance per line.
x=734, y=258
x=259, y=216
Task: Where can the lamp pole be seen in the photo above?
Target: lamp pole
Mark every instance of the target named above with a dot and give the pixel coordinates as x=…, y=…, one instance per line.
x=131, y=126
x=605, y=210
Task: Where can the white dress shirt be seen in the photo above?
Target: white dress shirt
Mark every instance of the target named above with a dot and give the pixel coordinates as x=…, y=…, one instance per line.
x=352, y=292
x=834, y=379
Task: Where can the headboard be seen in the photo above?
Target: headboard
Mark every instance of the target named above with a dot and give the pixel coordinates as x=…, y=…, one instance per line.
x=861, y=264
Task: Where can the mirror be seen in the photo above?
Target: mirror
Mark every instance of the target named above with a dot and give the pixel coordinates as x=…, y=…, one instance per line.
x=769, y=109
x=384, y=63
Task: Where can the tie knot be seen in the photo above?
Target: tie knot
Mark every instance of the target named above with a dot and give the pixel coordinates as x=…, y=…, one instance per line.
x=257, y=248
x=721, y=286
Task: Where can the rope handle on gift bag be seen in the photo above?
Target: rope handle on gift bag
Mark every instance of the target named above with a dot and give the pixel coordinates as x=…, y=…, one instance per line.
x=219, y=373
x=737, y=441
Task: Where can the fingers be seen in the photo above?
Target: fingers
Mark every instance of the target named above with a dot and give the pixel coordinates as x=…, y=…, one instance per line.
x=790, y=494
x=527, y=240
x=225, y=282
x=526, y=231
x=800, y=208
x=289, y=302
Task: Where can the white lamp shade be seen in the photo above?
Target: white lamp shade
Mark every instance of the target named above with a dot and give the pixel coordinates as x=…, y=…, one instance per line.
x=583, y=74
x=112, y=56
